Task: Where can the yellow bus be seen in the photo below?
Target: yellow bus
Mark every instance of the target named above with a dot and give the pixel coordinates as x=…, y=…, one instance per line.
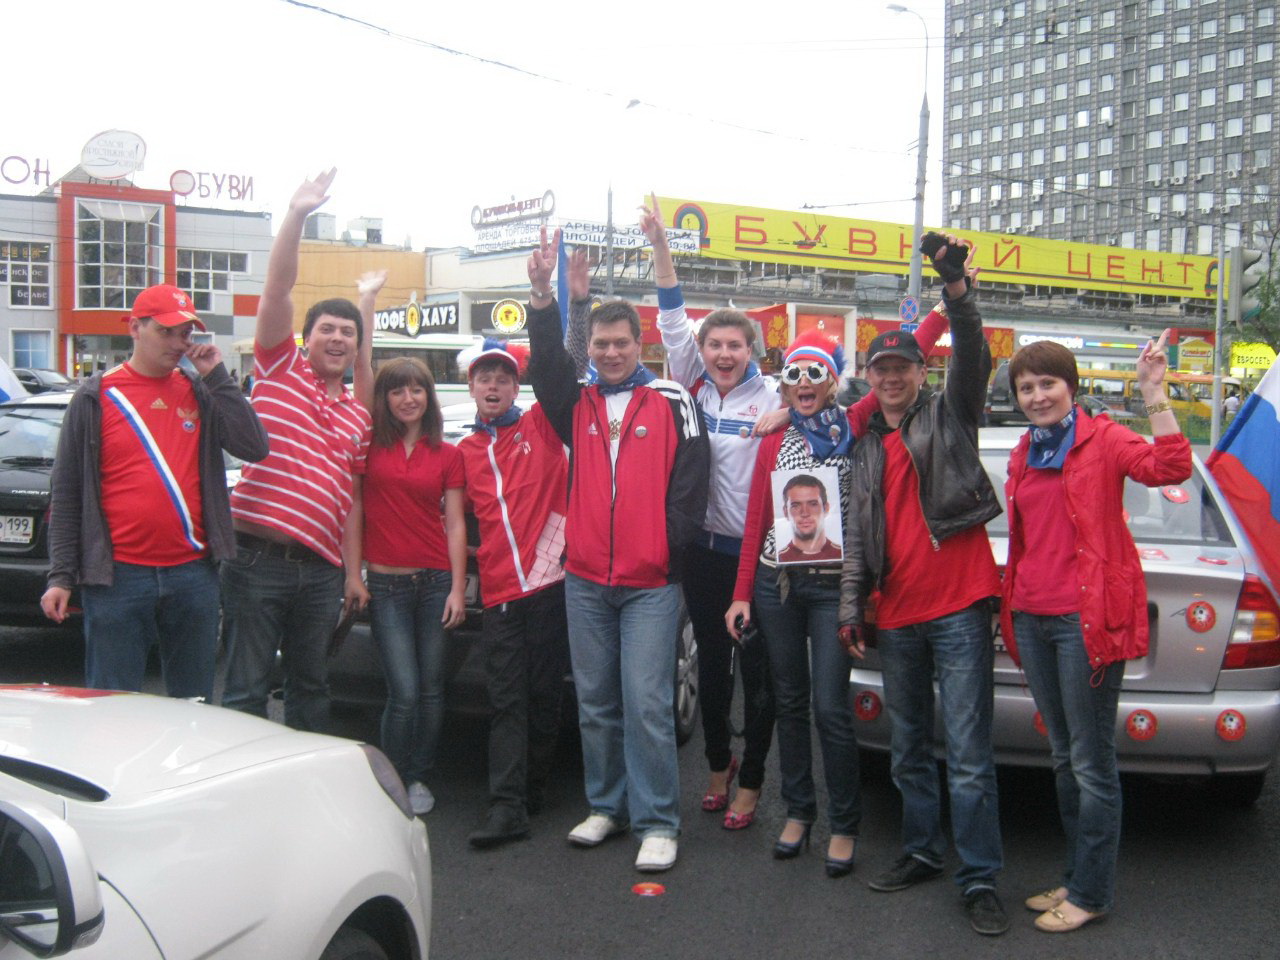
x=1190, y=393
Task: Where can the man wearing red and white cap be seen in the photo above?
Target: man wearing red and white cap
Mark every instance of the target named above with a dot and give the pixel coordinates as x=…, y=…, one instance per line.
x=140, y=515
x=517, y=483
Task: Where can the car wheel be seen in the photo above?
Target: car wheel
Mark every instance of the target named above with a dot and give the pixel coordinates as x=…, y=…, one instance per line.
x=351, y=943
x=1238, y=789
x=686, y=687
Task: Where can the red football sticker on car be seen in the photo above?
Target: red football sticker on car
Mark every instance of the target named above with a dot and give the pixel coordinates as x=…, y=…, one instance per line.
x=1201, y=616
x=1039, y=724
x=1218, y=561
x=1141, y=725
x=1231, y=725
x=866, y=706
x=1175, y=494
x=1152, y=553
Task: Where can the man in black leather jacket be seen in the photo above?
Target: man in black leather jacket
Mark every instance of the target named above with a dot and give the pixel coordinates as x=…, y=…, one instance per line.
x=915, y=533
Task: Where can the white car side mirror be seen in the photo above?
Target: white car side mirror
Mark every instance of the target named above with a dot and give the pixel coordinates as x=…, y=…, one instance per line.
x=50, y=903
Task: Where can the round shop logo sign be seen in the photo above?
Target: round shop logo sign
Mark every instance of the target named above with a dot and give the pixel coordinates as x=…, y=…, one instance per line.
x=412, y=318
x=508, y=316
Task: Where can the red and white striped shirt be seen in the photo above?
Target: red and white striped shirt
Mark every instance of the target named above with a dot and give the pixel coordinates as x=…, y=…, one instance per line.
x=303, y=487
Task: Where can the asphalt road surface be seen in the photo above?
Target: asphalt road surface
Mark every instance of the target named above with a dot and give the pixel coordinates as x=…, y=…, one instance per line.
x=1196, y=879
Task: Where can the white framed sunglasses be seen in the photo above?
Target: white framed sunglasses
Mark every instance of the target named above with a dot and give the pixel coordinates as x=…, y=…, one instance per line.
x=813, y=372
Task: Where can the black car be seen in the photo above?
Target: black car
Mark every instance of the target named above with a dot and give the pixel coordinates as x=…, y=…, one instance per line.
x=29, y=430
x=38, y=380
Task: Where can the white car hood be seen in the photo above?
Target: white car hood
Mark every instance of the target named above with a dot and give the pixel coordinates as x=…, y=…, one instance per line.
x=132, y=744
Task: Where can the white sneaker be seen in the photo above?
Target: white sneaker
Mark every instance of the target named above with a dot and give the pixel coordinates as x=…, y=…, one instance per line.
x=656, y=854
x=594, y=830
x=421, y=799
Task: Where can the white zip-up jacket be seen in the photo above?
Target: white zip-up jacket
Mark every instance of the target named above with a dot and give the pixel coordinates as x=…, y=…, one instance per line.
x=729, y=419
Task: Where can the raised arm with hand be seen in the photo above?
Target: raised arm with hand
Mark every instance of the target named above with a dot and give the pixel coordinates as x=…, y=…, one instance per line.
x=275, y=309
x=575, y=340
x=550, y=367
x=367, y=288
x=1153, y=364
x=655, y=230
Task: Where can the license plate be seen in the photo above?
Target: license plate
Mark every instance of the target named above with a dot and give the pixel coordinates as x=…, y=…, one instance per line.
x=473, y=589
x=16, y=529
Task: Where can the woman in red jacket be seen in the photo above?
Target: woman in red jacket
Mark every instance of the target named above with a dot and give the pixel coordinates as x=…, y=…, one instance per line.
x=1075, y=602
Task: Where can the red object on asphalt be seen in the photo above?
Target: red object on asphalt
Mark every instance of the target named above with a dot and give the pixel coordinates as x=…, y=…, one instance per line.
x=649, y=889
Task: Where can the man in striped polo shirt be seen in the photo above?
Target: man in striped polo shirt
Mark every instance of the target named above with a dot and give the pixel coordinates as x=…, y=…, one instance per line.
x=283, y=589
x=140, y=516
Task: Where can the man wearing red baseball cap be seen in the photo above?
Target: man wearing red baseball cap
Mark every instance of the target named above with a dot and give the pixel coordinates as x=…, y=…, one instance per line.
x=140, y=516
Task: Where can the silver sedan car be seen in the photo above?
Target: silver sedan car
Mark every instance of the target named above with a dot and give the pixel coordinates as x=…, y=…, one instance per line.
x=1205, y=701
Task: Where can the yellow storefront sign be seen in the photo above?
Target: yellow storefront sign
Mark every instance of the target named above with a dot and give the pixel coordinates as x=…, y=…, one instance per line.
x=813, y=239
x=1255, y=356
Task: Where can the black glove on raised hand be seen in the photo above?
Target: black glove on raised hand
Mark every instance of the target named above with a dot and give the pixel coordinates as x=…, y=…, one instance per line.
x=951, y=267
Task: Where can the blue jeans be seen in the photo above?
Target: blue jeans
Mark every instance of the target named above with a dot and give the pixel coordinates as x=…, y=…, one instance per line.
x=622, y=641
x=806, y=661
x=175, y=607
x=274, y=603
x=405, y=611
x=1079, y=710
x=958, y=649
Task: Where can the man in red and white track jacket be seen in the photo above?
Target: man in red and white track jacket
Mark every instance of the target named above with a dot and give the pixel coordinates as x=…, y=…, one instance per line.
x=517, y=480
x=637, y=496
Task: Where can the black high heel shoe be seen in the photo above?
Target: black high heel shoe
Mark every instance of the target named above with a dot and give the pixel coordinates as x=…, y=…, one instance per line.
x=841, y=868
x=788, y=851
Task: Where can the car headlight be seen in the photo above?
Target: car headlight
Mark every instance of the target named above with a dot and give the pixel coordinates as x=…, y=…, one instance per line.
x=387, y=778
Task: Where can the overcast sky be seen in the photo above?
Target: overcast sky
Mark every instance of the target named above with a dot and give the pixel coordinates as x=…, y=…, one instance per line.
x=762, y=104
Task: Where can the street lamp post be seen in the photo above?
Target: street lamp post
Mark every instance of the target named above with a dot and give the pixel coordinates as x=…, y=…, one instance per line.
x=922, y=157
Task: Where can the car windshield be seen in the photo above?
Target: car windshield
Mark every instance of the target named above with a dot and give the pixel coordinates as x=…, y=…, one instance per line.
x=29, y=434
x=1182, y=513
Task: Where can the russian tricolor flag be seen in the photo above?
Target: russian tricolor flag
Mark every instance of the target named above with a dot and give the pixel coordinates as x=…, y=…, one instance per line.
x=1246, y=464
x=10, y=387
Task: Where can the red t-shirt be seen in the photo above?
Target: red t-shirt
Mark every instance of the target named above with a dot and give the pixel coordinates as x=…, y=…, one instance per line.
x=403, y=512
x=1048, y=582
x=922, y=583
x=151, y=468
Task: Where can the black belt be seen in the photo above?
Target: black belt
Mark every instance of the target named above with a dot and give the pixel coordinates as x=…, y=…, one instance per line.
x=811, y=571
x=292, y=551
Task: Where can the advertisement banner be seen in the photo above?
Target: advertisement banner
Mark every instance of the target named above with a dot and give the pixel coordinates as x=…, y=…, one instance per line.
x=577, y=233
x=1254, y=356
x=816, y=239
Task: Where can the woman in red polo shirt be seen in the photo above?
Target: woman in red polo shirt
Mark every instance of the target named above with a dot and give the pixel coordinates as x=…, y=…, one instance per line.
x=409, y=531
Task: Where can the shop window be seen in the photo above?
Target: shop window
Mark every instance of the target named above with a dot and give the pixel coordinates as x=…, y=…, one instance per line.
x=118, y=253
x=32, y=348
x=25, y=268
x=202, y=273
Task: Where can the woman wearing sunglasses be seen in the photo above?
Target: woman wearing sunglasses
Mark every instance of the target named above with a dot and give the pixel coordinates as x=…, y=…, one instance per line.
x=797, y=603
